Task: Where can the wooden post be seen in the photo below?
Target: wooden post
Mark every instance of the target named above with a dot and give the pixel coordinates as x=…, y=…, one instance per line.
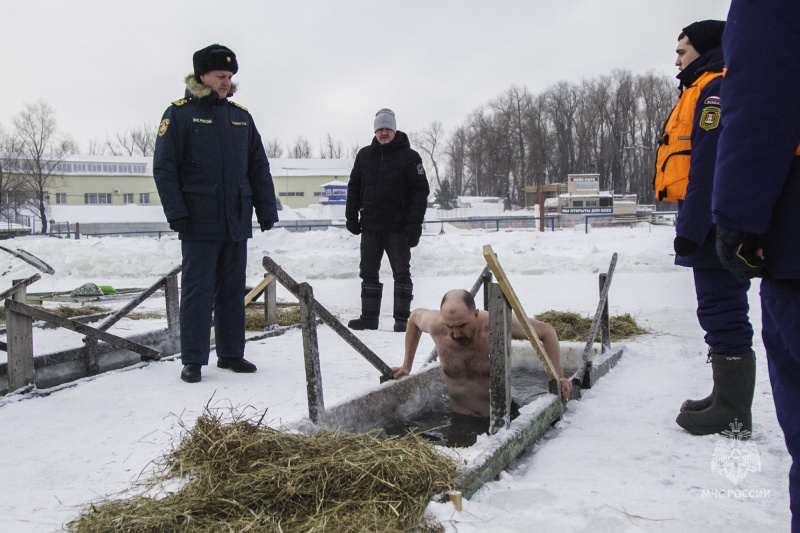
x=308, y=322
x=91, y=356
x=605, y=327
x=77, y=230
x=486, y=279
x=500, y=370
x=332, y=322
x=19, y=337
x=172, y=300
x=502, y=279
x=270, y=303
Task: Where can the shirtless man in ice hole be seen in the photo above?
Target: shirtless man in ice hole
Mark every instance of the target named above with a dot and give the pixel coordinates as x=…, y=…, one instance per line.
x=461, y=335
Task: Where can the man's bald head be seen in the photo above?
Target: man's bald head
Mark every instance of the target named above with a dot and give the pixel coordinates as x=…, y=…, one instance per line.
x=456, y=297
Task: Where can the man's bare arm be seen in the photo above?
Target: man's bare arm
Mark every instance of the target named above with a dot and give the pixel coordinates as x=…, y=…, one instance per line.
x=420, y=321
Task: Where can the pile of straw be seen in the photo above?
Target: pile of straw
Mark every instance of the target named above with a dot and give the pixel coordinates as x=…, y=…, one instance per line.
x=240, y=475
x=288, y=314
x=573, y=327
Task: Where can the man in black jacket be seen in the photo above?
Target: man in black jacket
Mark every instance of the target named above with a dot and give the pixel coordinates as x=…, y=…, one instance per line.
x=386, y=200
x=211, y=170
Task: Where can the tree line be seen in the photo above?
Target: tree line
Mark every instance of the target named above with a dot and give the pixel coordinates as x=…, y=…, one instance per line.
x=609, y=125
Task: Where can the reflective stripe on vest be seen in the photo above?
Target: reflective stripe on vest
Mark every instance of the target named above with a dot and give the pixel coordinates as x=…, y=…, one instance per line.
x=674, y=154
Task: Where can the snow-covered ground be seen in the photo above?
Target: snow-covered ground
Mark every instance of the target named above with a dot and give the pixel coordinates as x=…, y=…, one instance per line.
x=615, y=462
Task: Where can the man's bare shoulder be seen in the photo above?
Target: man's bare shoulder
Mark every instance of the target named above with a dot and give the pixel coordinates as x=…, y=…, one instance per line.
x=428, y=320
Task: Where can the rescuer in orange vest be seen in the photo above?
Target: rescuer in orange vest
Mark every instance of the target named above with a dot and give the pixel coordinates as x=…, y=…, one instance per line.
x=685, y=174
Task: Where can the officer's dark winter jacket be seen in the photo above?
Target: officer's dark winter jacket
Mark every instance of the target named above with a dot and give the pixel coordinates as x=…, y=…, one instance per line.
x=757, y=188
x=388, y=189
x=210, y=166
x=694, y=211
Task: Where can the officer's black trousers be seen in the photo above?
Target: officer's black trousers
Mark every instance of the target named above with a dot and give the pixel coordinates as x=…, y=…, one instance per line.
x=212, y=278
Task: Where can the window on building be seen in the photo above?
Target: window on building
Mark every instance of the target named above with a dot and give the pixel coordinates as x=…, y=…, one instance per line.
x=127, y=198
x=577, y=203
x=61, y=197
x=97, y=198
x=291, y=193
x=317, y=193
x=144, y=198
x=591, y=203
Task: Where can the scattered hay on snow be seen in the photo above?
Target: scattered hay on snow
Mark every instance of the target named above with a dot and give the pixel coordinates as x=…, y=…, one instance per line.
x=573, y=327
x=240, y=475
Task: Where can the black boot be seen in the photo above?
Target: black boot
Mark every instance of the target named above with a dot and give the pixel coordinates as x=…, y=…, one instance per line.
x=734, y=385
x=699, y=405
x=191, y=373
x=402, y=305
x=370, y=307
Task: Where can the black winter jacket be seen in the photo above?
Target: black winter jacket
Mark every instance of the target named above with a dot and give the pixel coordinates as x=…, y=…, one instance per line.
x=210, y=166
x=388, y=188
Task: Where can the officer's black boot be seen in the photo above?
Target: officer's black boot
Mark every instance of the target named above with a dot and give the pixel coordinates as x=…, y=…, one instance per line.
x=699, y=405
x=370, y=307
x=402, y=305
x=734, y=385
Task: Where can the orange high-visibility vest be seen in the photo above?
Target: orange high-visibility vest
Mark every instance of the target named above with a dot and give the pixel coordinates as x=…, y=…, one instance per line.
x=675, y=153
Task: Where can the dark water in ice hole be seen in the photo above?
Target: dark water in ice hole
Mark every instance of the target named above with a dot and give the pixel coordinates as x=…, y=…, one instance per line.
x=442, y=427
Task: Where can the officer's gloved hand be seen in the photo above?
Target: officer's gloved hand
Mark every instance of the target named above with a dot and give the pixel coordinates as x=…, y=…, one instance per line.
x=353, y=227
x=266, y=226
x=181, y=225
x=737, y=251
x=414, y=232
x=684, y=246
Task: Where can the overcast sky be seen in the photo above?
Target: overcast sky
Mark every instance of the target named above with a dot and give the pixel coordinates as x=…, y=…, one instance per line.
x=316, y=67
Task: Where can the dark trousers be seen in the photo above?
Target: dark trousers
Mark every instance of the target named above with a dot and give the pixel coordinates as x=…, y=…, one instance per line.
x=212, y=278
x=780, y=309
x=395, y=244
x=722, y=311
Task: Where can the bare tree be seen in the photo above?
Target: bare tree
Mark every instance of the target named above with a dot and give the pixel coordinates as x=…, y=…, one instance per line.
x=330, y=149
x=354, y=148
x=8, y=179
x=144, y=139
x=301, y=149
x=273, y=148
x=139, y=140
x=37, y=154
x=428, y=140
x=95, y=148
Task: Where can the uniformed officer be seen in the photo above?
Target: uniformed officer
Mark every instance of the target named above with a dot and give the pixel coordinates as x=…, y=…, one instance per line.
x=211, y=171
x=757, y=191
x=685, y=173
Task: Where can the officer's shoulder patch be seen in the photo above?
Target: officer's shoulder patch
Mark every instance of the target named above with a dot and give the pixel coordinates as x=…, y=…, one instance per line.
x=180, y=102
x=162, y=128
x=713, y=100
x=709, y=118
x=420, y=169
x=240, y=106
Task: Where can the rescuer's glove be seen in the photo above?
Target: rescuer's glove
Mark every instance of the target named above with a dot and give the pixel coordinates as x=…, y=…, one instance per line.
x=684, y=246
x=737, y=252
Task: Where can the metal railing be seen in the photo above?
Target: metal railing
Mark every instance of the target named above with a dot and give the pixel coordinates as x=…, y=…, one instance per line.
x=637, y=217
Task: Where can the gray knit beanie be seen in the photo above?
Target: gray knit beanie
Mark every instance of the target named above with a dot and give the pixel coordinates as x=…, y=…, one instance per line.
x=385, y=119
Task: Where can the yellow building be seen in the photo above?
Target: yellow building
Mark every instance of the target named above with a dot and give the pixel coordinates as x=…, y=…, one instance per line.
x=119, y=180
